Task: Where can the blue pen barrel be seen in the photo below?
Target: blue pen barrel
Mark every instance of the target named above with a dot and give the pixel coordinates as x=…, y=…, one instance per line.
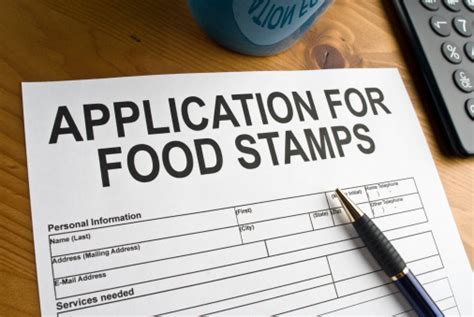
x=389, y=259
x=417, y=296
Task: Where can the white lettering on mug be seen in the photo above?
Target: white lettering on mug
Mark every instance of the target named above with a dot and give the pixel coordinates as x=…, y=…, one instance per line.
x=266, y=22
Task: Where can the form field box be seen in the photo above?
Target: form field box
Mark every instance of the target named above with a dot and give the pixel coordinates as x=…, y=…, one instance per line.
x=389, y=206
x=310, y=239
x=426, y=265
x=263, y=302
x=281, y=208
x=425, y=246
x=333, y=306
x=382, y=306
x=356, y=194
x=340, y=216
x=439, y=289
x=142, y=231
x=291, y=301
x=361, y=283
x=274, y=228
x=352, y=263
x=446, y=303
x=391, y=188
x=104, y=259
x=162, y=269
x=317, y=252
x=321, y=219
x=453, y=311
x=404, y=219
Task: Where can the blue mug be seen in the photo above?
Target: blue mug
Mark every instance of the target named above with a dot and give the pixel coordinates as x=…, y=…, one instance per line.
x=257, y=27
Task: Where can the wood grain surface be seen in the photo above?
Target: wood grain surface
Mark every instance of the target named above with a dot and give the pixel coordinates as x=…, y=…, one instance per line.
x=44, y=40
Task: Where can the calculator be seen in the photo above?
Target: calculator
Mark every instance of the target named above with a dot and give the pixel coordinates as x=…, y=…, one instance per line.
x=441, y=36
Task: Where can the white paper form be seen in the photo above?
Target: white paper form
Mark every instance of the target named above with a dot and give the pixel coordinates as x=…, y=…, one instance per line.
x=214, y=194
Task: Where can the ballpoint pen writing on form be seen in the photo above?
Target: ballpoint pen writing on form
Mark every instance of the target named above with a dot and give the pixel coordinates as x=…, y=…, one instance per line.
x=389, y=259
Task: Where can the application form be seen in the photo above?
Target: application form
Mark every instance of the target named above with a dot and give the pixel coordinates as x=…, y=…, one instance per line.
x=214, y=194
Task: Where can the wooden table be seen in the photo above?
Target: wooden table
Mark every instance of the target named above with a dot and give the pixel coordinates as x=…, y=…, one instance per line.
x=57, y=40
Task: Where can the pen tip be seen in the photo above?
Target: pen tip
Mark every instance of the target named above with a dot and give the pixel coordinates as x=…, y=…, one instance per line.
x=353, y=212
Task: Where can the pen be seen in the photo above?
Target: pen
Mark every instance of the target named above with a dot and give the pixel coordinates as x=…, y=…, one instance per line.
x=389, y=259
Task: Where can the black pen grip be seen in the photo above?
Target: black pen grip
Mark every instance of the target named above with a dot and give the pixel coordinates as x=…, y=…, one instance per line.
x=380, y=247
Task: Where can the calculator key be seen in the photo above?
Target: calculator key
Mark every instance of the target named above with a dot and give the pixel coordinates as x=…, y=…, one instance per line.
x=469, y=50
x=453, y=5
x=440, y=25
x=470, y=108
x=463, y=26
x=469, y=4
x=451, y=52
x=432, y=5
x=464, y=80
